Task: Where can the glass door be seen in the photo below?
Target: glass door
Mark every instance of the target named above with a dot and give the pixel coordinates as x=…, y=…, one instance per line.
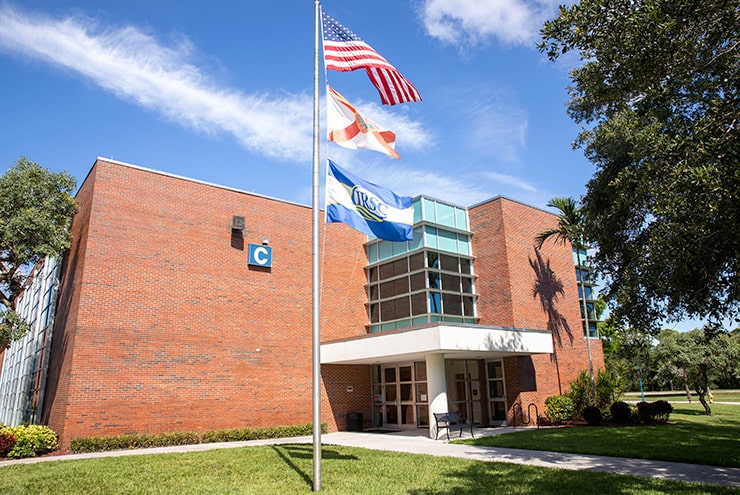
x=464, y=392
x=398, y=408
x=496, y=392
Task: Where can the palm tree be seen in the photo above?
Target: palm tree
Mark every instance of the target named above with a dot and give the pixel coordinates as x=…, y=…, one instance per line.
x=570, y=229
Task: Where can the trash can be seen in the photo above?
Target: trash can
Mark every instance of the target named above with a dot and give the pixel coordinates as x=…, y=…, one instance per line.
x=354, y=421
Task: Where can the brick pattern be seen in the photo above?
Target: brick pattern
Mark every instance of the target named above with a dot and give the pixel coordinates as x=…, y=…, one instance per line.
x=511, y=294
x=162, y=326
x=166, y=327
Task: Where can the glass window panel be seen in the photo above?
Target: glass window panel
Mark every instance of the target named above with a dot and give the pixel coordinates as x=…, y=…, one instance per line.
x=461, y=219
x=399, y=248
x=451, y=304
x=401, y=266
x=466, y=266
x=420, y=368
x=447, y=241
x=496, y=389
x=419, y=303
x=435, y=302
x=395, y=308
x=422, y=415
x=455, y=369
x=391, y=393
x=467, y=284
x=463, y=244
x=372, y=274
x=468, y=306
x=430, y=237
x=421, y=392
x=432, y=259
x=385, y=250
x=417, y=212
x=372, y=253
x=374, y=313
x=389, y=375
x=404, y=373
x=420, y=320
x=445, y=215
x=407, y=392
x=418, y=281
x=429, y=210
x=394, y=287
x=434, y=280
x=449, y=263
x=407, y=414
x=473, y=369
x=372, y=292
x=495, y=370
x=498, y=410
x=416, y=262
x=450, y=282
x=418, y=241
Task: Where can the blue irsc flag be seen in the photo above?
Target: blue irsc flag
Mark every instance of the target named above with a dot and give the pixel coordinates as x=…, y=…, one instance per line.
x=367, y=207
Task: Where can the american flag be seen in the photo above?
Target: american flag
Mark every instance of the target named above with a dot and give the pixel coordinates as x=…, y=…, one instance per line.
x=344, y=51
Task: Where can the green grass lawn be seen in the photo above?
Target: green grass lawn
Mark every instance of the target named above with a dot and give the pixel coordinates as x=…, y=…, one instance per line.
x=287, y=469
x=719, y=396
x=689, y=437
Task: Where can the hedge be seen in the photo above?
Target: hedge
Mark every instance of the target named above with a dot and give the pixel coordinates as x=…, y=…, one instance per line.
x=138, y=441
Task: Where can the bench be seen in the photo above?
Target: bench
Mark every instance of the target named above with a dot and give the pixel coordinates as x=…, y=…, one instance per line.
x=449, y=420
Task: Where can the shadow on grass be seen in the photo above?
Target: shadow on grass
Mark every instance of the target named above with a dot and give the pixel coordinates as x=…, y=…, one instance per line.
x=503, y=478
x=288, y=452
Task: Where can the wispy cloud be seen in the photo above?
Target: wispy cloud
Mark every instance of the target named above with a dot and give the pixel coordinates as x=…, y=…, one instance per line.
x=510, y=180
x=134, y=65
x=473, y=22
x=491, y=123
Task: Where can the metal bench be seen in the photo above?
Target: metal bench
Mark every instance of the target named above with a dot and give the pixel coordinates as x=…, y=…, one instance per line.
x=449, y=420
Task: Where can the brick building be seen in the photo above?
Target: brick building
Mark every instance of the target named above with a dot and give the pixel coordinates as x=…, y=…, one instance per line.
x=168, y=320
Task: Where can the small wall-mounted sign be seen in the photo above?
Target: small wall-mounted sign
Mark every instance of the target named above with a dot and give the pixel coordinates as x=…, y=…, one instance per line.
x=260, y=255
x=350, y=388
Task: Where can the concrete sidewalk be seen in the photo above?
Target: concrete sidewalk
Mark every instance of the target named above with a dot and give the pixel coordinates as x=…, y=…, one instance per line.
x=416, y=442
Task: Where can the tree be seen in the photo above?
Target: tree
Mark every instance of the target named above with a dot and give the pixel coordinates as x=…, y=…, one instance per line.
x=703, y=354
x=570, y=230
x=658, y=92
x=36, y=208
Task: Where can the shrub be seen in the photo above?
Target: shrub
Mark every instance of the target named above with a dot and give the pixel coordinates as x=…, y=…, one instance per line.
x=7, y=440
x=136, y=441
x=660, y=411
x=654, y=412
x=592, y=415
x=32, y=440
x=558, y=408
x=621, y=412
x=580, y=393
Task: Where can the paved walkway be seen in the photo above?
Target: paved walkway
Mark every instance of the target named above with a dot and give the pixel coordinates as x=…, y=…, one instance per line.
x=417, y=443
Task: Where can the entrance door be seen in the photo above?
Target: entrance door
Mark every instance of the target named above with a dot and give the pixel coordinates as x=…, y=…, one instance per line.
x=464, y=392
x=398, y=409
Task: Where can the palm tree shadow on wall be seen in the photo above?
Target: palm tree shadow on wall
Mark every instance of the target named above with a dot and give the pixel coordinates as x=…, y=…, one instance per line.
x=548, y=288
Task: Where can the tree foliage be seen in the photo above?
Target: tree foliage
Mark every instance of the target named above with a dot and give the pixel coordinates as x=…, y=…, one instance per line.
x=36, y=207
x=658, y=93
x=704, y=355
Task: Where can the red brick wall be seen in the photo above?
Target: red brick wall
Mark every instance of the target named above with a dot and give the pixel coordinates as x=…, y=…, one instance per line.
x=169, y=329
x=510, y=295
x=60, y=371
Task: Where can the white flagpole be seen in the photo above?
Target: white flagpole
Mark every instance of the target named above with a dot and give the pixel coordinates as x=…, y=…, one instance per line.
x=316, y=286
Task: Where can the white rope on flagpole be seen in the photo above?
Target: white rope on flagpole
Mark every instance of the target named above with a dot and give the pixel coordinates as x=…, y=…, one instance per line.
x=316, y=287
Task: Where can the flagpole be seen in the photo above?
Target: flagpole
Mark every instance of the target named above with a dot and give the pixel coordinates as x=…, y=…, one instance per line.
x=316, y=287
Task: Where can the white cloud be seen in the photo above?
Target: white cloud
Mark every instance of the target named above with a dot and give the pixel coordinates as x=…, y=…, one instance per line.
x=510, y=180
x=473, y=22
x=134, y=65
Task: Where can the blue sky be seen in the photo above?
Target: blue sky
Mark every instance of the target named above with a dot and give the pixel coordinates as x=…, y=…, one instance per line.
x=221, y=91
